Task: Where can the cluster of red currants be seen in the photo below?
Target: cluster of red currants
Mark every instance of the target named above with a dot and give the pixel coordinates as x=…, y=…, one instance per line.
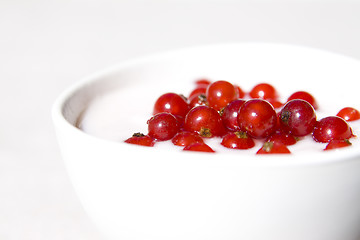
x=221, y=109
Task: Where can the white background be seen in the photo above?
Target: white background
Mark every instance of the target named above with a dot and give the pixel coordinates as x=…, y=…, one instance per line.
x=46, y=45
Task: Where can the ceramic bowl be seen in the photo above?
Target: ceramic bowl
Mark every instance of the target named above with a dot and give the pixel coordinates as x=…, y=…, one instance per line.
x=144, y=193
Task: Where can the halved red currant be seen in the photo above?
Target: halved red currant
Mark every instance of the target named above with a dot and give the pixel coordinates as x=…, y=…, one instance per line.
x=141, y=139
x=282, y=137
x=186, y=138
x=220, y=93
x=273, y=147
x=349, y=114
x=298, y=117
x=331, y=128
x=257, y=118
x=334, y=144
x=171, y=103
x=163, y=126
x=199, y=147
x=237, y=140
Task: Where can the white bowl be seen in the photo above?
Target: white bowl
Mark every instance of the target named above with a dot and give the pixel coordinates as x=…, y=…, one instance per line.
x=142, y=193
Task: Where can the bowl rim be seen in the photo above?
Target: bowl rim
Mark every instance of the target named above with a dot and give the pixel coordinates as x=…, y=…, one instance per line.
x=340, y=155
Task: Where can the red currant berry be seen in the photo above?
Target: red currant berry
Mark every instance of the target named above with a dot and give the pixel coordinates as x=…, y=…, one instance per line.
x=257, y=118
x=205, y=121
x=199, y=147
x=220, y=93
x=263, y=91
x=186, y=138
x=282, y=137
x=229, y=114
x=198, y=100
x=349, y=114
x=237, y=140
x=141, y=139
x=333, y=144
x=273, y=147
x=163, y=126
x=331, y=128
x=298, y=117
x=304, y=96
x=171, y=103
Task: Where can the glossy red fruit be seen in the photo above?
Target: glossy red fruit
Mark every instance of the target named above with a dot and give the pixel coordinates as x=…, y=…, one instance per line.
x=237, y=140
x=282, y=137
x=220, y=93
x=163, y=126
x=199, y=147
x=229, y=114
x=273, y=147
x=333, y=144
x=171, y=103
x=298, y=117
x=186, y=138
x=349, y=114
x=198, y=100
x=331, y=128
x=141, y=139
x=257, y=118
x=263, y=91
x=205, y=121
x=304, y=96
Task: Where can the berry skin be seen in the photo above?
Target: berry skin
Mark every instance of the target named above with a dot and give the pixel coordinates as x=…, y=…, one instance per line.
x=331, y=128
x=220, y=93
x=186, y=138
x=171, y=103
x=229, y=114
x=298, y=117
x=263, y=91
x=163, y=126
x=205, y=121
x=304, y=96
x=237, y=140
x=199, y=147
x=273, y=147
x=349, y=114
x=141, y=139
x=257, y=118
x=333, y=144
x=197, y=91
x=282, y=137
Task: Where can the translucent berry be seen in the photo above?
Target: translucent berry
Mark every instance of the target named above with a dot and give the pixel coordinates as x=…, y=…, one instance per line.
x=205, y=121
x=331, y=128
x=298, y=117
x=171, y=103
x=186, y=138
x=163, y=126
x=257, y=118
x=220, y=93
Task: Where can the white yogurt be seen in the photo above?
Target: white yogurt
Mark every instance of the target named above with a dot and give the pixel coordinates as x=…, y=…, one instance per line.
x=118, y=114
